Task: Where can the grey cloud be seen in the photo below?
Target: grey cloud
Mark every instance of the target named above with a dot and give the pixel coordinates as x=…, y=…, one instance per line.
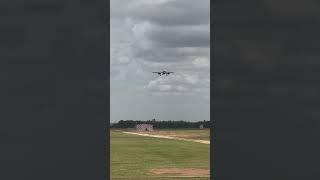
x=149, y=36
x=170, y=55
x=118, y=8
x=201, y=62
x=174, y=44
x=182, y=36
x=165, y=13
x=185, y=84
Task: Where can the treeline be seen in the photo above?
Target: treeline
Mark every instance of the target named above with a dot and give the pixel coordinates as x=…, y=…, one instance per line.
x=161, y=124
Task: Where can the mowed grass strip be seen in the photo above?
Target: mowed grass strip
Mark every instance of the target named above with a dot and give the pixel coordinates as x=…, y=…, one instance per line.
x=133, y=156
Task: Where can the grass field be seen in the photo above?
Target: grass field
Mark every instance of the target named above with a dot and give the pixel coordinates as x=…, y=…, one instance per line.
x=138, y=157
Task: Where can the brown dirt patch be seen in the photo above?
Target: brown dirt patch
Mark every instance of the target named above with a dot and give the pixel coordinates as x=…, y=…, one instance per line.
x=180, y=171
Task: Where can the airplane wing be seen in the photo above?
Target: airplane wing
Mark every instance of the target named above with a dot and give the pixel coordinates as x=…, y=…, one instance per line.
x=170, y=72
x=156, y=72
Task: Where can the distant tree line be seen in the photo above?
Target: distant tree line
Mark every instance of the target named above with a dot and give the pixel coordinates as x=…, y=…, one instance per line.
x=161, y=124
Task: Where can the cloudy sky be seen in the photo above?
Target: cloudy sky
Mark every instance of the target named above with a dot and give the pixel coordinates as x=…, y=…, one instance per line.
x=158, y=35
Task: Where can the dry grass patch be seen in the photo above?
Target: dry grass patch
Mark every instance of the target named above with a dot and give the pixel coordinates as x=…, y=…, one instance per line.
x=180, y=172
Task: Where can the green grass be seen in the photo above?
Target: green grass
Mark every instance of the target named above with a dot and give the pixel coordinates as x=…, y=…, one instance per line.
x=203, y=134
x=132, y=155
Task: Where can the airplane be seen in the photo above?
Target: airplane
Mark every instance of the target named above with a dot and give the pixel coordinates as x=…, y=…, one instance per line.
x=163, y=73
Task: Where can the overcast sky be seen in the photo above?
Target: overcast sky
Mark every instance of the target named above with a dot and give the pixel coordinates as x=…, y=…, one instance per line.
x=158, y=35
